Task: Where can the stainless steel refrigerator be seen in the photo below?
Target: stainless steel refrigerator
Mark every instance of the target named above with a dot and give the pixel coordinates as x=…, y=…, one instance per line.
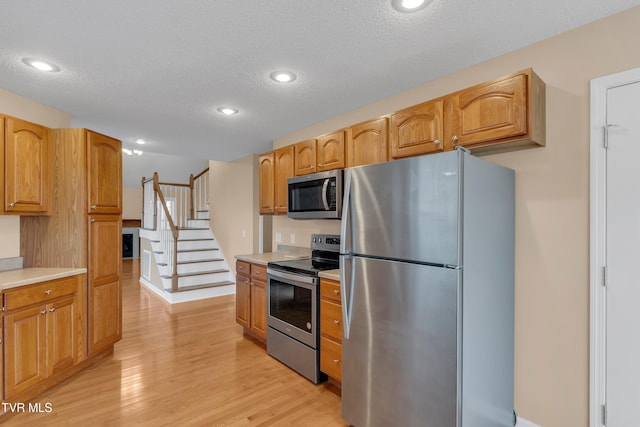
x=427, y=277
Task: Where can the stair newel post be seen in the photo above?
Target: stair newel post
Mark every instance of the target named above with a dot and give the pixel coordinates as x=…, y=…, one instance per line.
x=191, y=184
x=174, y=273
x=156, y=185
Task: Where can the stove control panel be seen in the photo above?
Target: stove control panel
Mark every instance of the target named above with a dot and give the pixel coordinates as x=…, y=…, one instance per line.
x=325, y=242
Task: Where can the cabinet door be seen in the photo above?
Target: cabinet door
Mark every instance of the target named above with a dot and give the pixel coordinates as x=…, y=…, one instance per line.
x=489, y=112
x=243, y=300
x=305, y=157
x=417, y=130
x=27, y=169
x=104, y=290
x=25, y=355
x=62, y=332
x=331, y=151
x=368, y=143
x=267, y=185
x=104, y=164
x=259, y=308
x=283, y=171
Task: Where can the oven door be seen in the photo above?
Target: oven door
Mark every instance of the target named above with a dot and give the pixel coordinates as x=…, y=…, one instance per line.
x=293, y=305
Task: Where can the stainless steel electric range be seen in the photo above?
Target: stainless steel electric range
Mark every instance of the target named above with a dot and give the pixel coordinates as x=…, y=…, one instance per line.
x=293, y=296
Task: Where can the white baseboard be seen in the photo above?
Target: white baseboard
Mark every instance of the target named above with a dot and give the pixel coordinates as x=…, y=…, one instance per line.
x=194, y=295
x=524, y=423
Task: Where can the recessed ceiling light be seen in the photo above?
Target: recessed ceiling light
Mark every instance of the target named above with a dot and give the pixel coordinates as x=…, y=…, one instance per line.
x=41, y=65
x=228, y=111
x=282, y=76
x=127, y=151
x=410, y=5
x=138, y=152
x=140, y=141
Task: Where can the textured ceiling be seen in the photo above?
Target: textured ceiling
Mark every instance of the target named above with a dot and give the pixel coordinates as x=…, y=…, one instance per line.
x=158, y=69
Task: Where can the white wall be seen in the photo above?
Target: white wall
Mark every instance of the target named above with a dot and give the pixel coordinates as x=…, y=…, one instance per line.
x=18, y=106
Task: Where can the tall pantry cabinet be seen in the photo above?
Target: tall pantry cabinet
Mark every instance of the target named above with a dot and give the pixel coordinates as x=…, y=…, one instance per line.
x=85, y=226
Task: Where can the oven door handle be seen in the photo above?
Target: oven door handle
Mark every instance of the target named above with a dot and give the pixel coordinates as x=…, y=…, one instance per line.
x=293, y=277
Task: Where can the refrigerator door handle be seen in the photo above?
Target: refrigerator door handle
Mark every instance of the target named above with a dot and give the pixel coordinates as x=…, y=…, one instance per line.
x=346, y=292
x=345, y=224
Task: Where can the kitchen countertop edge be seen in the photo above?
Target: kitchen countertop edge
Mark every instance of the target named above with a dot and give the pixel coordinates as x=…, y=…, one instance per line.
x=27, y=276
x=265, y=258
x=330, y=274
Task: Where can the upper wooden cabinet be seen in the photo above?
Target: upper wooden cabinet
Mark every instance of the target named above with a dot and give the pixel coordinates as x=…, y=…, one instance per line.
x=506, y=110
x=368, y=142
x=305, y=157
x=283, y=161
x=418, y=130
x=25, y=158
x=325, y=153
x=331, y=149
x=267, y=185
x=104, y=163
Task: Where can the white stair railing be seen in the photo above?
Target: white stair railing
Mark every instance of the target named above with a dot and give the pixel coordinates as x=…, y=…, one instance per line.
x=200, y=192
x=167, y=207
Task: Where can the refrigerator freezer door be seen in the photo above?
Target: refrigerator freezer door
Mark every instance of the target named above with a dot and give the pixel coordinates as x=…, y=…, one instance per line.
x=400, y=361
x=406, y=209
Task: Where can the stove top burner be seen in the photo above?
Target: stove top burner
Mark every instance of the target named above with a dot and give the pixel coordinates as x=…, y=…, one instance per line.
x=324, y=256
x=310, y=266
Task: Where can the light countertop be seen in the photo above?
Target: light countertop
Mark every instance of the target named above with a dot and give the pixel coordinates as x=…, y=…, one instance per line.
x=330, y=274
x=265, y=258
x=27, y=276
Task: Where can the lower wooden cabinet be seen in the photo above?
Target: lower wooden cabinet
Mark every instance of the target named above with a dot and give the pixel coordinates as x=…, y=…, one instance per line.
x=44, y=333
x=331, y=329
x=104, y=284
x=251, y=298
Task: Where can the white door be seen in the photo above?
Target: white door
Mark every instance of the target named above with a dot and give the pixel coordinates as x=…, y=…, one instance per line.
x=623, y=257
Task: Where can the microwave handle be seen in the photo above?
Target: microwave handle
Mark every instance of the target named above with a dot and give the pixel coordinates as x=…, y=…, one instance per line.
x=325, y=186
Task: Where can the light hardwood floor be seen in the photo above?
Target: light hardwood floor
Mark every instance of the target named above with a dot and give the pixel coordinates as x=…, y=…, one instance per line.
x=184, y=365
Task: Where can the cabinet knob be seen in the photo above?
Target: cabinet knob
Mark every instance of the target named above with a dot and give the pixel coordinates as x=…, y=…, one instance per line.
x=12, y=204
x=436, y=142
x=52, y=309
x=48, y=292
x=43, y=312
x=92, y=220
x=241, y=267
x=336, y=291
x=320, y=165
x=94, y=206
x=336, y=322
x=336, y=361
x=454, y=138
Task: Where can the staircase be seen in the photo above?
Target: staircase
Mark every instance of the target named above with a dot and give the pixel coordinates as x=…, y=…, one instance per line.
x=195, y=258
x=200, y=261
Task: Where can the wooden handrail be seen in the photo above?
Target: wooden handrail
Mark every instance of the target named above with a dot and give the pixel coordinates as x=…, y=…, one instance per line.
x=174, y=184
x=201, y=173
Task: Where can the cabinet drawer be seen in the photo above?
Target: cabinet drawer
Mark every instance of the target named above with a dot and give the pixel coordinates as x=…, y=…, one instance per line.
x=243, y=267
x=331, y=358
x=35, y=294
x=330, y=290
x=259, y=272
x=331, y=319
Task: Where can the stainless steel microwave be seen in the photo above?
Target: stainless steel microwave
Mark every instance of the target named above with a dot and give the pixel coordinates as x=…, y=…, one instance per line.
x=316, y=196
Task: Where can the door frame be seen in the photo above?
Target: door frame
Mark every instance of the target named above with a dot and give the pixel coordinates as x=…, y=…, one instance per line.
x=597, y=232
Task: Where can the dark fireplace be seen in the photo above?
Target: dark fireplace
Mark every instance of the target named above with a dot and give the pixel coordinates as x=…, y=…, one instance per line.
x=127, y=245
